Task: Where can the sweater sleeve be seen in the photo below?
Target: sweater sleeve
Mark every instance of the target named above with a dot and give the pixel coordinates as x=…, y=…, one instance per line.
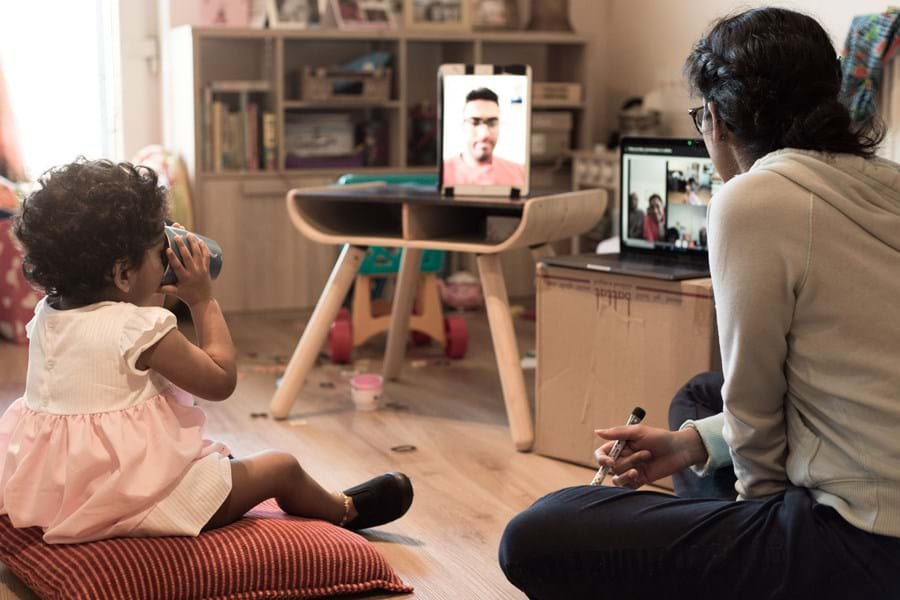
x=710, y=431
x=759, y=239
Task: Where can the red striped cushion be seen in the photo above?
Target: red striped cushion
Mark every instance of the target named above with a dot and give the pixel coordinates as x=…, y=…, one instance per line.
x=265, y=555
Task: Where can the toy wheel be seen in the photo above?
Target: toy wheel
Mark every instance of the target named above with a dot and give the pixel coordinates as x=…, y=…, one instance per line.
x=340, y=341
x=420, y=339
x=457, y=337
x=343, y=314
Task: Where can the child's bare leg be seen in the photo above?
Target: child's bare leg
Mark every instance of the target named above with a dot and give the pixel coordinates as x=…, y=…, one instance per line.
x=273, y=474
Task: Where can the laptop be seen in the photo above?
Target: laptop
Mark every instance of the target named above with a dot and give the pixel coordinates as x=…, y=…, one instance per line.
x=665, y=188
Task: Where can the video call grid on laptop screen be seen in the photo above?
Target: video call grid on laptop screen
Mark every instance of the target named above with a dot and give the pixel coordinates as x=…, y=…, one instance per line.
x=666, y=187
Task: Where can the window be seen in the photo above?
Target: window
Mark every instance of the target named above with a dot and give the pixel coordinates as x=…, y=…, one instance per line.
x=60, y=61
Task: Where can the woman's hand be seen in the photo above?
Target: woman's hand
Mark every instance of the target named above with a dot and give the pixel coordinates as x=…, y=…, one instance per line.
x=194, y=284
x=650, y=453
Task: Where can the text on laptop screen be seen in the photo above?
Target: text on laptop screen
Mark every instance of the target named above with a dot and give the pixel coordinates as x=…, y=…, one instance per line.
x=666, y=189
x=485, y=130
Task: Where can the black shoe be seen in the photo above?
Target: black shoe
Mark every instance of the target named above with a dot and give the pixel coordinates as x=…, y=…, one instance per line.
x=380, y=500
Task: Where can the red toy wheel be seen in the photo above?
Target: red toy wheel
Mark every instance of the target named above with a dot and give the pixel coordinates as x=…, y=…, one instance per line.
x=340, y=341
x=343, y=314
x=457, y=337
x=420, y=339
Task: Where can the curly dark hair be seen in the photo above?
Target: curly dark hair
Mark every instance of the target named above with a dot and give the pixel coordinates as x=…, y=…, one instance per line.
x=87, y=216
x=775, y=79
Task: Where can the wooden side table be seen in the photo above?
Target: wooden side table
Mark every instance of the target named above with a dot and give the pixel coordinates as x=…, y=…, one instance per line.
x=418, y=219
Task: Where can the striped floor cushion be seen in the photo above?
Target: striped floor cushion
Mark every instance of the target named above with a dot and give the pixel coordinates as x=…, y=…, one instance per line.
x=265, y=555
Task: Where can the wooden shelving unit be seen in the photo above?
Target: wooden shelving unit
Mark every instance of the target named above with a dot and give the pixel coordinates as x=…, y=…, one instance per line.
x=224, y=199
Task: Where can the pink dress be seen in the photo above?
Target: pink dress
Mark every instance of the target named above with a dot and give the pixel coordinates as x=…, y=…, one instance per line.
x=97, y=448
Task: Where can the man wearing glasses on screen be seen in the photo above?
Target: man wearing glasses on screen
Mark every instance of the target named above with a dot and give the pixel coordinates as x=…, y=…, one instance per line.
x=477, y=164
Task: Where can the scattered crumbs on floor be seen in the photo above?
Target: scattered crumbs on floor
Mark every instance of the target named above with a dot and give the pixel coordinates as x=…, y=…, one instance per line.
x=259, y=415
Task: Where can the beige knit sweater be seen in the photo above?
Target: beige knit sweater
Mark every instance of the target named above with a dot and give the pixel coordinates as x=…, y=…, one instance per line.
x=805, y=261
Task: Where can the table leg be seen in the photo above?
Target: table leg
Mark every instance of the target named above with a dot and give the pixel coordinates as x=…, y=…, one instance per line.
x=505, y=348
x=404, y=296
x=316, y=330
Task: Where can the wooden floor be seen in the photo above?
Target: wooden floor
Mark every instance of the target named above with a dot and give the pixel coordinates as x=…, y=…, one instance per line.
x=468, y=479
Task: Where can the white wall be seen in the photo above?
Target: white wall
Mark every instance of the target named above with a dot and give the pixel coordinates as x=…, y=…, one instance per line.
x=141, y=92
x=649, y=40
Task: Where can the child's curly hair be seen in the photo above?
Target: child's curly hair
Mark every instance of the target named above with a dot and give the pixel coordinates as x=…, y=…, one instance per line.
x=87, y=216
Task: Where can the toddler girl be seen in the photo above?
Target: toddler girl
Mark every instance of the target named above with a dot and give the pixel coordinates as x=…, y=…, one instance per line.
x=106, y=441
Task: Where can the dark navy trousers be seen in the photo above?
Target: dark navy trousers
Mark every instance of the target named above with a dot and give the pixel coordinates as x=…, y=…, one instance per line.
x=606, y=542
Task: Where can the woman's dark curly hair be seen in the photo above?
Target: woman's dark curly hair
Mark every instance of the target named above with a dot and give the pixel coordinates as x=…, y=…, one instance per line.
x=87, y=216
x=775, y=79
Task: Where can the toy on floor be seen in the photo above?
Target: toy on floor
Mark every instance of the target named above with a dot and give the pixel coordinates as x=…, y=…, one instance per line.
x=370, y=317
x=461, y=291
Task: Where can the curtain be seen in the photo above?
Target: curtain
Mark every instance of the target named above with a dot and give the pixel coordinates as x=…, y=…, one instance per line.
x=10, y=154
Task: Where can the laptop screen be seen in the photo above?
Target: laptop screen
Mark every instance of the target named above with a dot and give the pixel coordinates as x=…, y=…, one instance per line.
x=666, y=186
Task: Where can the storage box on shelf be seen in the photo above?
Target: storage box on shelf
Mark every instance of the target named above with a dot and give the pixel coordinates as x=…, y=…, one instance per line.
x=289, y=82
x=551, y=136
x=337, y=85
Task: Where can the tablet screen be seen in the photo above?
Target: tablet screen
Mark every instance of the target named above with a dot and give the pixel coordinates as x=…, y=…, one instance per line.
x=485, y=129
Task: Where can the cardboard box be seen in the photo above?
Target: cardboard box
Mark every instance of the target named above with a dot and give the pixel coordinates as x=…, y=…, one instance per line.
x=607, y=343
x=556, y=93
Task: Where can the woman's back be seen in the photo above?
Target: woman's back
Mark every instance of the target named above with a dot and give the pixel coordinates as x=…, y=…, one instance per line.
x=801, y=249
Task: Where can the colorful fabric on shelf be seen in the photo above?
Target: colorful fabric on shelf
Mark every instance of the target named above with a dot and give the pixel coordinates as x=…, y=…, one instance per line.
x=871, y=43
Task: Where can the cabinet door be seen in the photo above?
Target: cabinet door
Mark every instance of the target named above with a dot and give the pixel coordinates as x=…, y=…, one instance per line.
x=268, y=264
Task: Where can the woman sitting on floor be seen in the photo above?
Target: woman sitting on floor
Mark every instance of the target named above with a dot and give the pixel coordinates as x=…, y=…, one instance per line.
x=804, y=246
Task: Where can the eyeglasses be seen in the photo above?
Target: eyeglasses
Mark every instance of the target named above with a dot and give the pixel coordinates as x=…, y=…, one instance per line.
x=492, y=122
x=697, y=117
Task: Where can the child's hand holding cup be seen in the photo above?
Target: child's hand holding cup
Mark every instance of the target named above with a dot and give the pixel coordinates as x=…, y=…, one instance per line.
x=192, y=262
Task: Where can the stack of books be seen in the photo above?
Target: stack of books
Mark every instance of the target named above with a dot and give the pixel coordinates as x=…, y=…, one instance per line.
x=239, y=128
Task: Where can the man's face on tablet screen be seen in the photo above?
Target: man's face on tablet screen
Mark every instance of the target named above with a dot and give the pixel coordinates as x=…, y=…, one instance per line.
x=481, y=127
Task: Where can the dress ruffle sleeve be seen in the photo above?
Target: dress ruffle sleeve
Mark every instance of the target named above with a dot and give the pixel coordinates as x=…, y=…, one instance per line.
x=144, y=327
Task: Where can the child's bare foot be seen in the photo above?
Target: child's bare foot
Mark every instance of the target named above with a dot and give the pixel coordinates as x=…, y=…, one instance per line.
x=379, y=500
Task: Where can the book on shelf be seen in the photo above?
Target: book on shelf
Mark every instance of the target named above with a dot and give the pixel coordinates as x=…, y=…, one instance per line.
x=234, y=126
x=269, y=142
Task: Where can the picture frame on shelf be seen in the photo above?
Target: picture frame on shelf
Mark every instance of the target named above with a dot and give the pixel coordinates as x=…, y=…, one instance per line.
x=495, y=14
x=439, y=15
x=292, y=14
x=221, y=13
x=363, y=14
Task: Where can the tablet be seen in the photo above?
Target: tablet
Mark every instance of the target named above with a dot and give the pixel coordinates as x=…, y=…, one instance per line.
x=484, y=117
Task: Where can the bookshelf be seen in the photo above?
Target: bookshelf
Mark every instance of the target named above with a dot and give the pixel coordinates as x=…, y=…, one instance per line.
x=240, y=203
